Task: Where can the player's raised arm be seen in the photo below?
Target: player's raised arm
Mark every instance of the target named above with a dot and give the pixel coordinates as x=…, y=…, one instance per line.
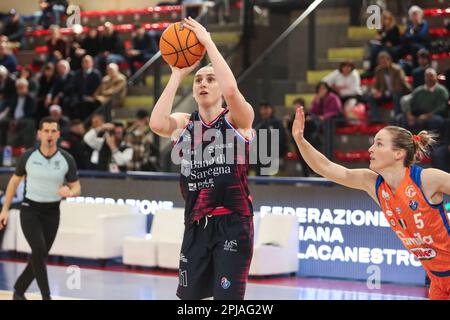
x=162, y=121
x=241, y=112
x=363, y=179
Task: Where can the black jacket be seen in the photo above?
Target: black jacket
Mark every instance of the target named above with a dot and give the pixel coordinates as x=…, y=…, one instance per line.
x=29, y=106
x=86, y=84
x=63, y=87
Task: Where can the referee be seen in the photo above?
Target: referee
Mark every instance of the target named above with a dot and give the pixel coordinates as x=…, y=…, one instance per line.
x=46, y=168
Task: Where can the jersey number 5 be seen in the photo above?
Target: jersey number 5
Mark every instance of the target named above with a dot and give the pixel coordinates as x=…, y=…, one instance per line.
x=418, y=221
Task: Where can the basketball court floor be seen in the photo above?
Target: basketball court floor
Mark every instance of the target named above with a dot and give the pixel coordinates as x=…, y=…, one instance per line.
x=119, y=283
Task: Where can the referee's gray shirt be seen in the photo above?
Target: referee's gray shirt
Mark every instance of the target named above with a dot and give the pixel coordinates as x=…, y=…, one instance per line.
x=45, y=175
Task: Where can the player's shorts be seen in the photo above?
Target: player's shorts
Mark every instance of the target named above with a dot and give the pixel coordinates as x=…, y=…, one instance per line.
x=439, y=288
x=215, y=258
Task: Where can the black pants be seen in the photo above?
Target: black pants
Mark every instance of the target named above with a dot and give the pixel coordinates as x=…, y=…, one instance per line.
x=39, y=223
x=215, y=258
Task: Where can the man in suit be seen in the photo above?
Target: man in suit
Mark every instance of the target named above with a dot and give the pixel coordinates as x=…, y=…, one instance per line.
x=86, y=82
x=17, y=120
x=62, y=89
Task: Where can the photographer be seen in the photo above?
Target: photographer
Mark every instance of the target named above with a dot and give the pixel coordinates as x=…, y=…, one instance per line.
x=110, y=152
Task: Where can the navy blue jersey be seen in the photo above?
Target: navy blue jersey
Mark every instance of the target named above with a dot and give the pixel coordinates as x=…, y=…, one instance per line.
x=214, y=168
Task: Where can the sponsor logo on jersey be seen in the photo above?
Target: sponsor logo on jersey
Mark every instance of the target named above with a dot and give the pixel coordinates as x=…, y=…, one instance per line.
x=414, y=241
x=413, y=205
x=385, y=195
x=402, y=223
x=410, y=191
x=230, y=246
x=398, y=211
x=389, y=213
x=192, y=186
x=225, y=283
x=392, y=221
x=183, y=258
x=424, y=253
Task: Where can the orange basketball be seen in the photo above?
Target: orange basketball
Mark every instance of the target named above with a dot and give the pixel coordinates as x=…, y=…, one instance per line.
x=179, y=46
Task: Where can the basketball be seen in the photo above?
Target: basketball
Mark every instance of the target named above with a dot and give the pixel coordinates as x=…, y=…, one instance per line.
x=179, y=46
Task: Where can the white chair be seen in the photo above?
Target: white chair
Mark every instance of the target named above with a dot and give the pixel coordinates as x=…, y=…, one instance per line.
x=276, y=246
x=10, y=235
x=170, y=238
x=93, y=231
x=163, y=248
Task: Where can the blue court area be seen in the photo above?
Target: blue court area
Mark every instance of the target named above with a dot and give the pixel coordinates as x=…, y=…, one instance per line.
x=122, y=285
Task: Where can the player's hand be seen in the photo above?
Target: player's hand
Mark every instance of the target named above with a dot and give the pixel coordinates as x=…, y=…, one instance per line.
x=183, y=72
x=202, y=34
x=298, y=126
x=65, y=192
x=3, y=218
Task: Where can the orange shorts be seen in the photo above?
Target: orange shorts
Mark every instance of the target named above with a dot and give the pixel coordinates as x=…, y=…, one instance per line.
x=439, y=288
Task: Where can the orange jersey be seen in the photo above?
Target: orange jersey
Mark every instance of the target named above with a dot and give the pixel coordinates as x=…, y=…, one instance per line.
x=423, y=228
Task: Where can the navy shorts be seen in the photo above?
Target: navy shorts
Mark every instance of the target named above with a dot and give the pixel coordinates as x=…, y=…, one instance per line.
x=215, y=258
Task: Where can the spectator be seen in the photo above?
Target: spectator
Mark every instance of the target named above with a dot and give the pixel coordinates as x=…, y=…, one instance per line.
x=326, y=113
x=416, y=36
x=424, y=61
x=192, y=8
x=44, y=97
x=418, y=75
x=429, y=105
x=447, y=79
x=63, y=122
x=144, y=47
x=76, y=52
x=18, y=117
x=387, y=38
x=33, y=85
x=63, y=86
x=267, y=122
x=326, y=104
x=57, y=9
x=86, y=82
x=390, y=86
x=346, y=82
x=90, y=44
x=140, y=138
x=43, y=18
x=111, y=47
x=113, y=87
x=14, y=29
x=311, y=134
x=7, y=86
x=7, y=59
x=57, y=46
x=97, y=120
x=110, y=151
x=74, y=144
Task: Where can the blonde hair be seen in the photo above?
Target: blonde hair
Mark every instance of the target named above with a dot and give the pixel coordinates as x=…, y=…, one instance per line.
x=387, y=13
x=416, y=146
x=209, y=65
